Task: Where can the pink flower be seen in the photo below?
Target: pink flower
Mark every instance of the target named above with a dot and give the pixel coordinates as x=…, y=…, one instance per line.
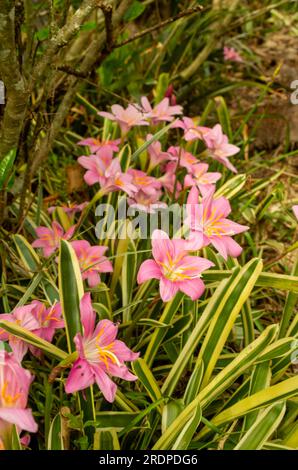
x=126, y=118
x=171, y=95
x=70, y=209
x=96, y=165
x=219, y=147
x=231, y=54
x=162, y=111
x=168, y=179
x=101, y=355
x=91, y=260
x=295, y=210
x=147, y=203
x=49, y=239
x=49, y=319
x=191, y=130
x=14, y=388
x=155, y=153
x=96, y=145
x=174, y=268
x=185, y=159
x=33, y=317
x=209, y=224
x=201, y=178
x=107, y=173
x=148, y=184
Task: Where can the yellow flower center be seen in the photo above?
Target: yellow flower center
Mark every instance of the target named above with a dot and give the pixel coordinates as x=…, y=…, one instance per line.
x=173, y=272
x=7, y=399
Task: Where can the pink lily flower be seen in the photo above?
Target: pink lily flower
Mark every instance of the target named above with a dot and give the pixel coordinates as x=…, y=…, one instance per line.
x=101, y=355
x=49, y=319
x=96, y=145
x=201, y=178
x=231, y=54
x=155, y=152
x=219, y=147
x=191, y=130
x=33, y=317
x=147, y=184
x=14, y=388
x=209, y=224
x=174, y=267
x=147, y=203
x=107, y=173
x=185, y=159
x=70, y=209
x=295, y=211
x=168, y=179
x=49, y=239
x=91, y=260
x=126, y=118
x=162, y=111
x=96, y=165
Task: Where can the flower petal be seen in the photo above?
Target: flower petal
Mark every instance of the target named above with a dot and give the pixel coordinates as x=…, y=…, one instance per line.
x=167, y=289
x=87, y=314
x=20, y=417
x=80, y=377
x=194, y=288
x=149, y=269
x=106, y=385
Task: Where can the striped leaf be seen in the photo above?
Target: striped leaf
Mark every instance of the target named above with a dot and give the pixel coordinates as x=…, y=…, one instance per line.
x=168, y=314
x=55, y=438
x=236, y=293
x=142, y=371
x=71, y=291
x=275, y=393
x=31, y=338
x=263, y=428
x=225, y=378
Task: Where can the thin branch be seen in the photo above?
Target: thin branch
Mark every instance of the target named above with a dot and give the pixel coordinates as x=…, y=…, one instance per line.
x=62, y=38
x=108, y=14
x=162, y=24
x=90, y=59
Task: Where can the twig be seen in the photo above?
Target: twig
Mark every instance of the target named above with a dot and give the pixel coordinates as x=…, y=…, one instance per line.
x=162, y=24
x=108, y=14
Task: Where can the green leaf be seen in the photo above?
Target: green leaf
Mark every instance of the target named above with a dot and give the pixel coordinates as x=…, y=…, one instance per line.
x=275, y=393
x=128, y=273
x=237, y=292
x=267, y=422
x=148, y=142
x=170, y=412
x=33, y=339
x=106, y=439
x=232, y=186
x=161, y=87
x=15, y=439
x=194, y=383
x=71, y=291
x=217, y=385
x=270, y=280
x=55, y=440
x=223, y=116
x=259, y=380
x=183, y=440
x=142, y=371
x=169, y=311
x=134, y=11
x=6, y=165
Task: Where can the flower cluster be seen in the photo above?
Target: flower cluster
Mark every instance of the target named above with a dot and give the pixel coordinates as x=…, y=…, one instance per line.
x=176, y=172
